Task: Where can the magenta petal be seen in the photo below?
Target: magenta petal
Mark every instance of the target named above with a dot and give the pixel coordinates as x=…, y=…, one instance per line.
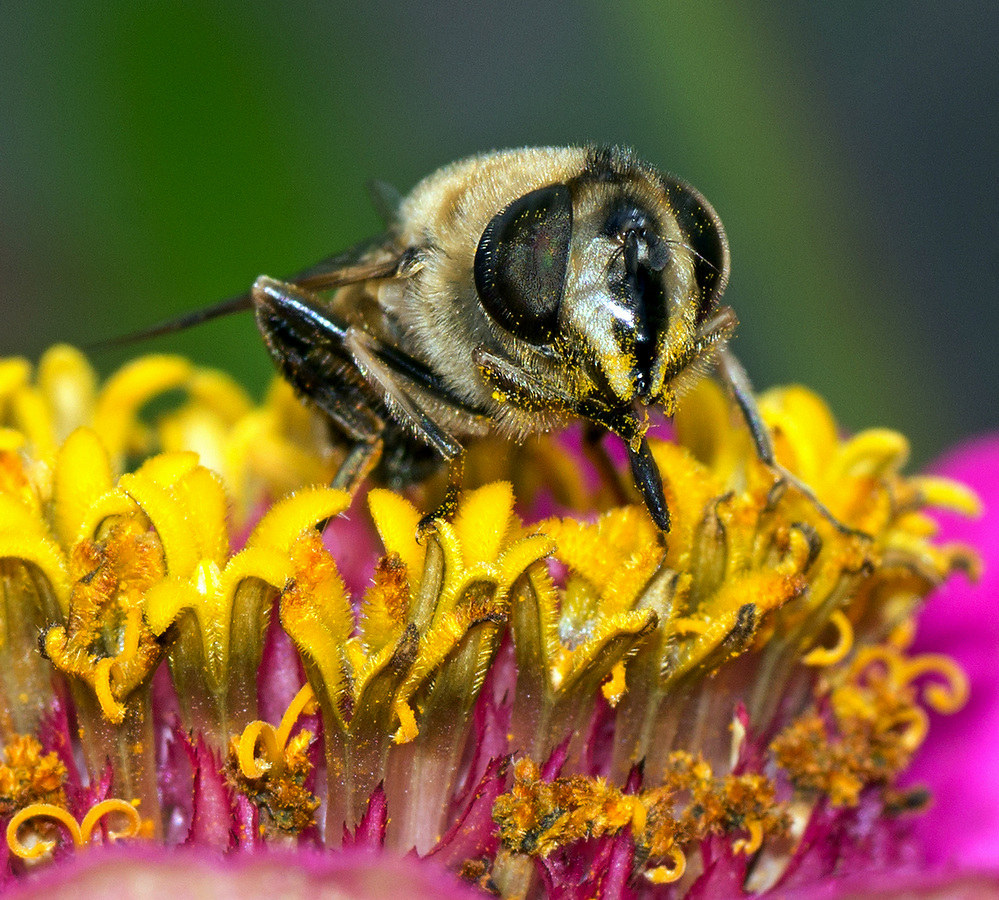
x=140, y=871
x=212, y=822
x=473, y=833
x=247, y=821
x=960, y=762
x=280, y=675
x=370, y=831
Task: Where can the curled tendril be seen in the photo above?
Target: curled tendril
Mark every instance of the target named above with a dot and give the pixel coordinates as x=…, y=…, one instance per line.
x=829, y=656
x=113, y=710
x=948, y=697
x=915, y=725
x=669, y=874
x=81, y=833
x=750, y=845
x=271, y=740
x=903, y=671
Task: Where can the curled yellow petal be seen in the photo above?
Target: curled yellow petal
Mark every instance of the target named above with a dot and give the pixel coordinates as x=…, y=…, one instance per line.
x=69, y=384
x=124, y=394
x=82, y=475
x=943, y=493
x=873, y=453
x=396, y=520
x=482, y=521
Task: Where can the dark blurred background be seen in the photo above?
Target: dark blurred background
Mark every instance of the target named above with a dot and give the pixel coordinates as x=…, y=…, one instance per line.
x=157, y=157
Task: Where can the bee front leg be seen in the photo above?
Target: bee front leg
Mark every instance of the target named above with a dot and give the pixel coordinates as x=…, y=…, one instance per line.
x=734, y=376
x=360, y=460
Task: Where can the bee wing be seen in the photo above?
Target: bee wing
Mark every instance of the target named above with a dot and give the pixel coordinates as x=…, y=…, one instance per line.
x=377, y=258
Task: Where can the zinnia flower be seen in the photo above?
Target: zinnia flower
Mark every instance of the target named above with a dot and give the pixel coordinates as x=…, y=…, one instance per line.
x=534, y=693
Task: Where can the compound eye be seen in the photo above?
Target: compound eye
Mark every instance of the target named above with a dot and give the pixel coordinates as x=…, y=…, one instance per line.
x=521, y=260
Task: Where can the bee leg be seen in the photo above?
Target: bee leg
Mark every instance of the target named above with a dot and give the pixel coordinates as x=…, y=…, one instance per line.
x=344, y=371
x=511, y=380
x=449, y=504
x=357, y=465
x=734, y=376
x=363, y=348
x=307, y=345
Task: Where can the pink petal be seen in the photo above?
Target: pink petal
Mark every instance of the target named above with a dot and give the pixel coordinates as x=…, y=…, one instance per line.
x=212, y=820
x=141, y=871
x=960, y=761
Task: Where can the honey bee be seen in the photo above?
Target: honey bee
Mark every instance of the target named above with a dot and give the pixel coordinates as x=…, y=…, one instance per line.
x=512, y=293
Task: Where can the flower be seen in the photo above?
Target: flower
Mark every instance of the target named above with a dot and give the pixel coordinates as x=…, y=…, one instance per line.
x=532, y=690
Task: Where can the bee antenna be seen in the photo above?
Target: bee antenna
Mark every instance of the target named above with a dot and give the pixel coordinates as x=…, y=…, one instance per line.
x=227, y=307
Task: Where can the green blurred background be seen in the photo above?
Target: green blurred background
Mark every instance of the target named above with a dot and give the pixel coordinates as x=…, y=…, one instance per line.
x=155, y=157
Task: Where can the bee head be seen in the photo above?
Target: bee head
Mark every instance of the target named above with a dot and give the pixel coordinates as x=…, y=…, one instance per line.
x=612, y=271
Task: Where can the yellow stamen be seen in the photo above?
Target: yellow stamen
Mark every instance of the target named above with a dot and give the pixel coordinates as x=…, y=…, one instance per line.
x=829, y=656
x=916, y=725
x=903, y=634
x=669, y=874
x=614, y=687
x=639, y=814
x=408, y=728
x=246, y=751
x=750, y=845
x=302, y=704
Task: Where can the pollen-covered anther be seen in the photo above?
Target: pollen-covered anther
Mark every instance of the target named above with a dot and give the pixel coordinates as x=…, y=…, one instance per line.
x=275, y=779
x=106, y=642
x=29, y=775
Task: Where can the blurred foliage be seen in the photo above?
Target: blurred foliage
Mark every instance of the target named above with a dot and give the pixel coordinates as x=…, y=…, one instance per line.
x=157, y=157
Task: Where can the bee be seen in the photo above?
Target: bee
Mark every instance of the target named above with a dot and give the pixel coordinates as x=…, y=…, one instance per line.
x=513, y=292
